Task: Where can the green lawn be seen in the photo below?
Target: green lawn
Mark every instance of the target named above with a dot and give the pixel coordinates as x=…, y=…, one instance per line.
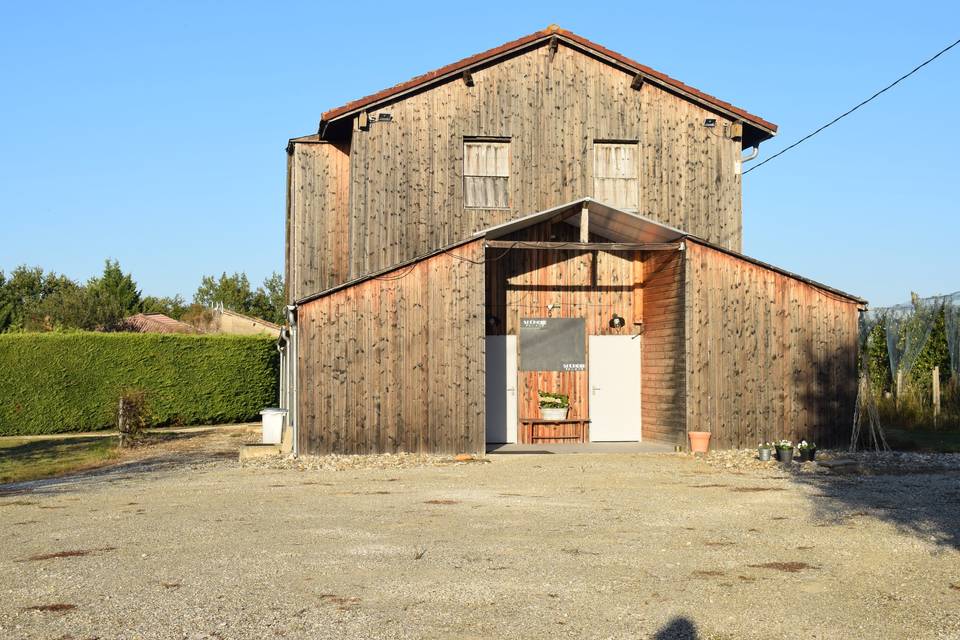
x=23, y=459
x=923, y=440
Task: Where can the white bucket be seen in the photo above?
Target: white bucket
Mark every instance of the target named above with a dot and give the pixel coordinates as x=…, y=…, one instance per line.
x=272, y=420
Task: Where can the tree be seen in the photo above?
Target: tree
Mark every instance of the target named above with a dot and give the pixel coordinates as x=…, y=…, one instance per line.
x=23, y=293
x=232, y=291
x=68, y=307
x=269, y=301
x=174, y=306
x=113, y=296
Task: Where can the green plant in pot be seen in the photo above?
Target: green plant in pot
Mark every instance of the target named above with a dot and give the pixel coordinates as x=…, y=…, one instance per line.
x=765, y=450
x=807, y=450
x=554, y=406
x=784, y=451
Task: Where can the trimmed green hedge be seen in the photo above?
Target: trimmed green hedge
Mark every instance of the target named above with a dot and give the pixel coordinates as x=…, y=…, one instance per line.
x=59, y=382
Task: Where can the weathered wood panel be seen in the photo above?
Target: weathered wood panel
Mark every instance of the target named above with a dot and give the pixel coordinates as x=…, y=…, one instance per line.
x=317, y=250
x=663, y=401
x=396, y=363
x=406, y=175
x=768, y=356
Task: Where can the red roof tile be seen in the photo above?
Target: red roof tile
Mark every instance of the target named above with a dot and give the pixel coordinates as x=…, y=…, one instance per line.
x=570, y=38
x=156, y=323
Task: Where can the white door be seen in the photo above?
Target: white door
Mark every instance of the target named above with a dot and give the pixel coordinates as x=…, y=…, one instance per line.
x=501, y=389
x=614, y=371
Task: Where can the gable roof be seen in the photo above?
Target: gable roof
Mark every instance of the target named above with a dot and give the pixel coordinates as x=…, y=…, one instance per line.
x=766, y=128
x=612, y=223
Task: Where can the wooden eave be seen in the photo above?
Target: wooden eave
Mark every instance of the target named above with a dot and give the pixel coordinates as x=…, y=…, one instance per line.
x=672, y=240
x=763, y=129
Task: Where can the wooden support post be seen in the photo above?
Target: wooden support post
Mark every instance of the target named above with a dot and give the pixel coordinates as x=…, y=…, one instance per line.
x=637, y=83
x=899, y=385
x=638, y=289
x=467, y=78
x=736, y=131
x=936, y=393
x=585, y=223
x=554, y=45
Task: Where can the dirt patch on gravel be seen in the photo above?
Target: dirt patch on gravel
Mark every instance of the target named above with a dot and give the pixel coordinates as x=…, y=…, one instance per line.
x=76, y=553
x=786, y=567
x=58, y=607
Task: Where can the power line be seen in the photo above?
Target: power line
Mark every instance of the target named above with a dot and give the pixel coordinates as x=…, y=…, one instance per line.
x=845, y=114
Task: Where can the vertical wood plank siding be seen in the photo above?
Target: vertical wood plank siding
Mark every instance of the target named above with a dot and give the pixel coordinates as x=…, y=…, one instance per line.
x=317, y=217
x=406, y=177
x=396, y=363
x=663, y=401
x=767, y=356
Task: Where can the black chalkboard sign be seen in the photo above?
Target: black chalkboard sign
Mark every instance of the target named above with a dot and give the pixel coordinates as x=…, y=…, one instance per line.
x=553, y=344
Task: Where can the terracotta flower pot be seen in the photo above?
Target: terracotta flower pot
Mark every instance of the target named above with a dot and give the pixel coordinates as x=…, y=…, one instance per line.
x=699, y=441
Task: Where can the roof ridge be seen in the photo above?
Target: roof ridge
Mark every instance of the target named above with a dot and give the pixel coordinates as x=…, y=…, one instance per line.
x=544, y=34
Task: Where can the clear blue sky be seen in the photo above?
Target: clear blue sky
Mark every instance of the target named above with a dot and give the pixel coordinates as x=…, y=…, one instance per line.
x=155, y=133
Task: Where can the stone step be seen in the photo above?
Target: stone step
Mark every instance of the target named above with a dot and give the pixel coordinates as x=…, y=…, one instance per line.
x=249, y=451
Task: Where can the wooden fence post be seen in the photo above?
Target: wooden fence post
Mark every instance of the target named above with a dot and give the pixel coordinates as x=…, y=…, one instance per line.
x=936, y=393
x=899, y=385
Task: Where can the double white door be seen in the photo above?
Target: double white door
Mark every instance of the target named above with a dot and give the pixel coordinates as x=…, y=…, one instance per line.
x=614, y=379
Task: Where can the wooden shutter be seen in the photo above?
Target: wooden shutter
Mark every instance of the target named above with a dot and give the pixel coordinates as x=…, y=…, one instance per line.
x=616, y=174
x=486, y=175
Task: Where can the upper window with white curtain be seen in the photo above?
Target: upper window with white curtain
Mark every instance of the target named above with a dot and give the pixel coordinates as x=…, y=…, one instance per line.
x=486, y=174
x=616, y=174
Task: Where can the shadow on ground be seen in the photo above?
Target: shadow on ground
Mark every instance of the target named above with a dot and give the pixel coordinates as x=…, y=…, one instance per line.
x=187, y=453
x=679, y=628
x=924, y=505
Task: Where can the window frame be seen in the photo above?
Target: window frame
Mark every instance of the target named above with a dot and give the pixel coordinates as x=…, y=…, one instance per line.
x=505, y=141
x=635, y=143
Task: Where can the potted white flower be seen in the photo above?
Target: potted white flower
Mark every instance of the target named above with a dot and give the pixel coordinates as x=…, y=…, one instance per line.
x=784, y=451
x=807, y=450
x=553, y=406
x=765, y=450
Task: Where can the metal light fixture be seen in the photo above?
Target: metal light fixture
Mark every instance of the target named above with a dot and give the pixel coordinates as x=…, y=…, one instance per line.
x=617, y=322
x=493, y=323
x=710, y=123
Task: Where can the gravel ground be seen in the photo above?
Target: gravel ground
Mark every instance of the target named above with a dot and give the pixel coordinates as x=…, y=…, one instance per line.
x=522, y=546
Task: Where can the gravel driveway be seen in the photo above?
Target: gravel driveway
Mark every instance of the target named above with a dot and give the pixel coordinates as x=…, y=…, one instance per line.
x=522, y=546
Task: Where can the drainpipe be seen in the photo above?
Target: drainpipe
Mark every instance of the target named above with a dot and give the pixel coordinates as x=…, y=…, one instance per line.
x=282, y=343
x=293, y=358
x=753, y=154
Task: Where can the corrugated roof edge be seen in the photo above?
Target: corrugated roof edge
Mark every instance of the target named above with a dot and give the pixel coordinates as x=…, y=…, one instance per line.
x=539, y=37
x=781, y=271
x=534, y=217
x=384, y=271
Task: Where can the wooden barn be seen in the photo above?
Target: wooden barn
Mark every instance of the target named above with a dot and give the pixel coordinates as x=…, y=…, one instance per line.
x=547, y=216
